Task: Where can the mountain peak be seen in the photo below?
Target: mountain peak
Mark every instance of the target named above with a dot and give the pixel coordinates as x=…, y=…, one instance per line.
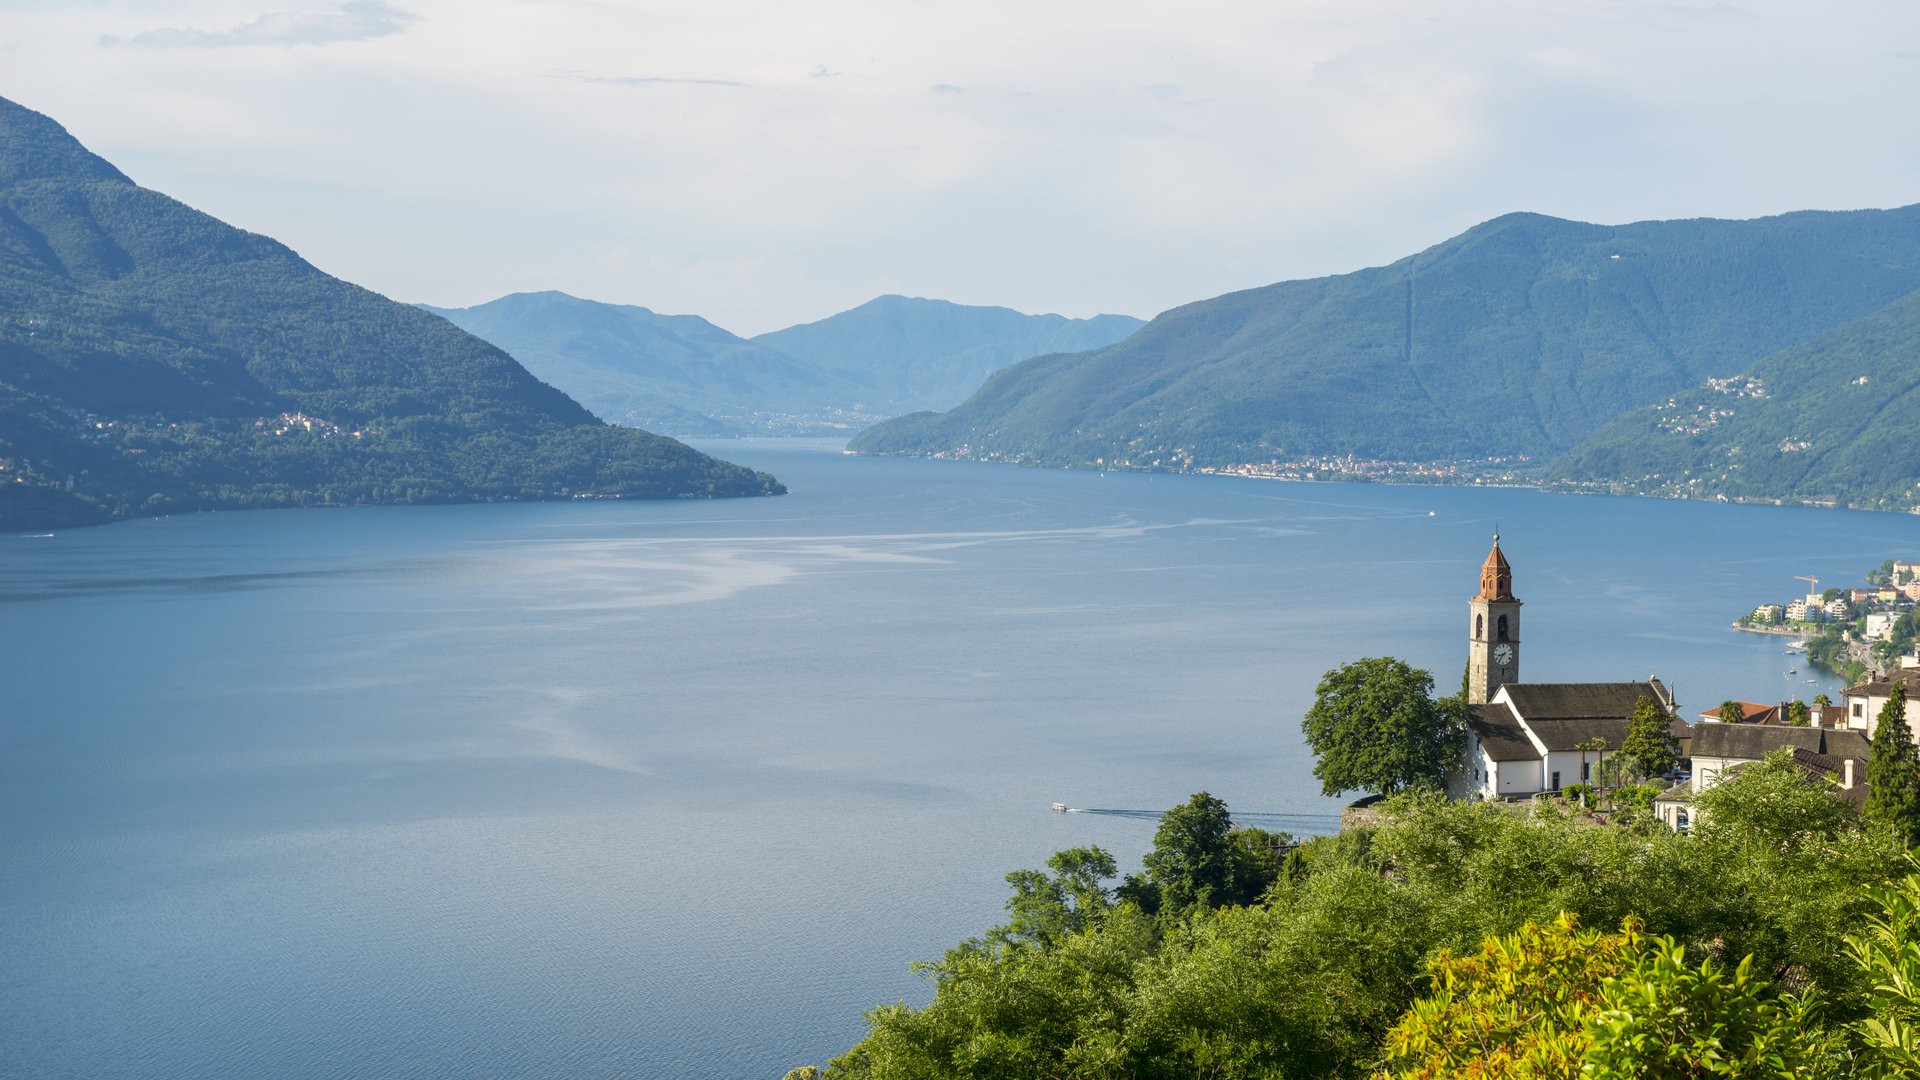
x=33, y=146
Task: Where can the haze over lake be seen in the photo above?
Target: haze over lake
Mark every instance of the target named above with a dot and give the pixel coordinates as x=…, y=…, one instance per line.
x=680, y=788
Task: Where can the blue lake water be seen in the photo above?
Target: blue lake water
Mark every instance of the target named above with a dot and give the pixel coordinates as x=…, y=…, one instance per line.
x=679, y=789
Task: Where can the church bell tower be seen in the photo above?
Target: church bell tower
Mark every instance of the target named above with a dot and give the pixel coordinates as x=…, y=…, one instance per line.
x=1493, y=648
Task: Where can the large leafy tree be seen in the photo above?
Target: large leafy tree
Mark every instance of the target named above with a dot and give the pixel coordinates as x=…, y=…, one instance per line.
x=1374, y=725
x=1893, y=770
x=1200, y=860
x=1649, y=746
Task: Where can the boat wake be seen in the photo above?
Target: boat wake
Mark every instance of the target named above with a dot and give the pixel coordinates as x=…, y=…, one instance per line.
x=1294, y=822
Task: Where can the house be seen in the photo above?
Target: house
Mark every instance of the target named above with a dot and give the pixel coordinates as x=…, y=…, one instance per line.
x=1880, y=625
x=1836, y=755
x=1798, y=611
x=1751, y=712
x=1526, y=738
x=1866, y=699
x=1837, y=608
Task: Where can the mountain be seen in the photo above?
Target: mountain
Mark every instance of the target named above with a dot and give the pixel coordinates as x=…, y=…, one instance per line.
x=1830, y=421
x=153, y=358
x=930, y=354
x=675, y=373
x=1518, y=338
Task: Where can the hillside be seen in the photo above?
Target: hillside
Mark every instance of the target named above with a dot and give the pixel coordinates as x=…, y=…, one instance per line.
x=930, y=354
x=155, y=359
x=1828, y=421
x=1518, y=338
x=674, y=373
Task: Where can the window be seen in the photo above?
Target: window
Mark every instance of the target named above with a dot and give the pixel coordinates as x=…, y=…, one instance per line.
x=1859, y=710
x=1479, y=626
x=1556, y=781
x=1503, y=628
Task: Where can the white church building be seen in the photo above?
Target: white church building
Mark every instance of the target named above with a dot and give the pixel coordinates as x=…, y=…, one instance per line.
x=1526, y=738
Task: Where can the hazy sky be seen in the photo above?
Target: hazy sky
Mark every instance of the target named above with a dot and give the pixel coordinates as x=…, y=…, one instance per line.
x=763, y=163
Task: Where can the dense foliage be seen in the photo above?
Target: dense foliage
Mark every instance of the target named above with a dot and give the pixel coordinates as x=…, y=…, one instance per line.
x=153, y=359
x=1521, y=336
x=1310, y=979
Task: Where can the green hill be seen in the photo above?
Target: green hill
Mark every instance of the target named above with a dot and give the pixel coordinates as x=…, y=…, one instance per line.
x=1829, y=421
x=1518, y=338
x=155, y=359
x=930, y=354
x=674, y=373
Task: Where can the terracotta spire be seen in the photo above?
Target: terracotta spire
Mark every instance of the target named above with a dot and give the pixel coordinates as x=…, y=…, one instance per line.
x=1496, y=577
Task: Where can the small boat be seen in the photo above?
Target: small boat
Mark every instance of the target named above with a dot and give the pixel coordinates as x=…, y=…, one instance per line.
x=1059, y=808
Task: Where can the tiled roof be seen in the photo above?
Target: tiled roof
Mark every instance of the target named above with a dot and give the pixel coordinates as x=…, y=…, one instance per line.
x=1881, y=685
x=1496, y=577
x=1569, y=734
x=1751, y=741
x=1681, y=792
x=1499, y=734
x=1846, y=744
x=1577, y=701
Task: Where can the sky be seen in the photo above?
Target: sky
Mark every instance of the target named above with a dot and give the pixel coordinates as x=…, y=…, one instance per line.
x=763, y=163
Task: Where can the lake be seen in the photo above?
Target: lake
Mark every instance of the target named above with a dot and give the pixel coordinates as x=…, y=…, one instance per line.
x=679, y=789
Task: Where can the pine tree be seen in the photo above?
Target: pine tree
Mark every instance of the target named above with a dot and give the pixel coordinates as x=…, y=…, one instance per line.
x=1893, y=770
x=1649, y=745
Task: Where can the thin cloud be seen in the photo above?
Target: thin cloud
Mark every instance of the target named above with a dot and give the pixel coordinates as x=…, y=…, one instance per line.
x=946, y=88
x=355, y=20
x=822, y=72
x=650, y=80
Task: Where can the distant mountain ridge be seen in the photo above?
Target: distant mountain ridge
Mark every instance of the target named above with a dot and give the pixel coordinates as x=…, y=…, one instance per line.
x=674, y=373
x=682, y=374
x=153, y=359
x=930, y=354
x=1519, y=338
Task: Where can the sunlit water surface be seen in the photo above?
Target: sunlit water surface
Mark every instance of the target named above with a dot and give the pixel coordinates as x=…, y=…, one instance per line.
x=679, y=789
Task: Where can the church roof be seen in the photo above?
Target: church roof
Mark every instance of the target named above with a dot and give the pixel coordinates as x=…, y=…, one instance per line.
x=1577, y=701
x=1567, y=735
x=1500, y=734
x=1496, y=577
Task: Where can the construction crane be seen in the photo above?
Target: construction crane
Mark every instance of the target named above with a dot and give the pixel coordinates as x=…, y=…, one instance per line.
x=1813, y=584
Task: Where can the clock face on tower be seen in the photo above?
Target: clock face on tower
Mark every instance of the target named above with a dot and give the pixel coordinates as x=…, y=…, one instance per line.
x=1503, y=655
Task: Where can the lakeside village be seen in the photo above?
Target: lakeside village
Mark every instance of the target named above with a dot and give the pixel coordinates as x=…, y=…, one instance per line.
x=1566, y=740
x=1851, y=631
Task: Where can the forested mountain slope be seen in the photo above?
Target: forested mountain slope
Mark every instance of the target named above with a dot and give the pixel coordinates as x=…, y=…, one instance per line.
x=153, y=358
x=1520, y=337
x=1831, y=420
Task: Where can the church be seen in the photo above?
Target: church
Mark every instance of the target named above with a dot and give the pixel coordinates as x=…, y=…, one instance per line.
x=1526, y=738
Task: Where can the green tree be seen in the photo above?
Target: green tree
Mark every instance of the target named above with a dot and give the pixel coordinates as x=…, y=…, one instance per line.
x=1798, y=715
x=1200, y=860
x=1732, y=713
x=1822, y=700
x=1667, y=1020
x=1649, y=746
x=1519, y=1007
x=1889, y=952
x=1045, y=910
x=1374, y=725
x=1893, y=770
